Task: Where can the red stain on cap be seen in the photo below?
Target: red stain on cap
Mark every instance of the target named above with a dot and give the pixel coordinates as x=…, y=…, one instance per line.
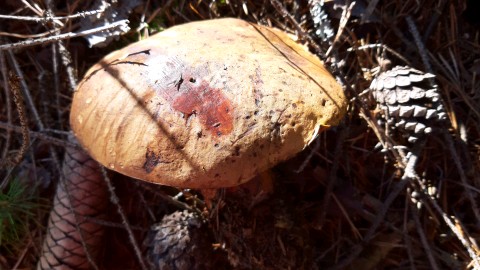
x=209, y=104
x=189, y=90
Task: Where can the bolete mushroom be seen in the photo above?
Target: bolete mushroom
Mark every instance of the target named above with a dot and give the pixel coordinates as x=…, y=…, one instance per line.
x=206, y=104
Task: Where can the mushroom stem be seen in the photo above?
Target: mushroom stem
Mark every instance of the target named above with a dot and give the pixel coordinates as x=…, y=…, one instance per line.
x=72, y=240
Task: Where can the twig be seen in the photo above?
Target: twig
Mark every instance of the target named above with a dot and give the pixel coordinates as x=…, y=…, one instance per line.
x=369, y=10
x=121, y=25
x=82, y=14
x=434, y=19
x=302, y=34
x=114, y=199
x=313, y=151
x=347, y=12
x=408, y=175
x=6, y=88
x=423, y=239
x=405, y=233
x=418, y=41
x=40, y=135
x=463, y=177
x=382, y=46
x=460, y=235
x=22, y=255
x=332, y=177
x=67, y=63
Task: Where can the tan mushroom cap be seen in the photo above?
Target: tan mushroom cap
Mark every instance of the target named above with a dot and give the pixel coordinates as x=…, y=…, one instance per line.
x=207, y=104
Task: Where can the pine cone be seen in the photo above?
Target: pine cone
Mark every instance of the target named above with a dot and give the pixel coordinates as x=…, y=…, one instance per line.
x=409, y=101
x=179, y=242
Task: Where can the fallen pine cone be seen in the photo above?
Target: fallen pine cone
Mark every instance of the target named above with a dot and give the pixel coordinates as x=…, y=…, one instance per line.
x=71, y=241
x=179, y=242
x=409, y=101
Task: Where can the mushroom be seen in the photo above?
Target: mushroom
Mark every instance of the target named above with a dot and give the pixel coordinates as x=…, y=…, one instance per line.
x=206, y=105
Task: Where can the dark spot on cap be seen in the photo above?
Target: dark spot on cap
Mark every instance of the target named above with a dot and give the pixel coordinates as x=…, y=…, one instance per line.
x=237, y=151
x=151, y=161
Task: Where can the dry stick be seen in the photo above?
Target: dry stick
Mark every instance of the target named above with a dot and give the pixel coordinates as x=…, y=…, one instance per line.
x=418, y=41
x=6, y=88
x=423, y=239
x=40, y=135
x=369, y=10
x=332, y=176
x=121, y=25
x=434, y=19
x=408, y=175
x=306, y=161
x=67, y=63
x=347, y=12
x=114, y=199
x=23, y=254
x=381, y=46
x=71, y=240
x=35, y=9
x=339, y=75
x=448, y=137
x=56, y=81
x=64, y=54
x=302, y=34
x=406, y=235
x=82, y=14
x=463, y=177
x=471, y=248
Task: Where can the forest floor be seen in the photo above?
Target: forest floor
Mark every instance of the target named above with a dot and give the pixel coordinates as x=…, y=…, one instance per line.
x=354, y=199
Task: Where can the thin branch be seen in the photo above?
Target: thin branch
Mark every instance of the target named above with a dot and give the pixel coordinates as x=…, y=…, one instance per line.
x=40, y=135
x=461, y=235
x=423, y=239
x=463, y=176
x=332, y=177
x=83, y=14
x=115, y=200
x=418, y=41
x=302, y=34
x=408, y=175
x=6, y=88
x=382, y=46
x=120, y=25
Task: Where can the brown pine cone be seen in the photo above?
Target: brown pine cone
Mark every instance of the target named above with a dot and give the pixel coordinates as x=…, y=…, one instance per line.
x=409, y=101
x=179, y=242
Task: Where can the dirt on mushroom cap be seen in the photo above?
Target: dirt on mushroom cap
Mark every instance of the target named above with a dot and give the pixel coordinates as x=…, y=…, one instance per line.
x=207, y=104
